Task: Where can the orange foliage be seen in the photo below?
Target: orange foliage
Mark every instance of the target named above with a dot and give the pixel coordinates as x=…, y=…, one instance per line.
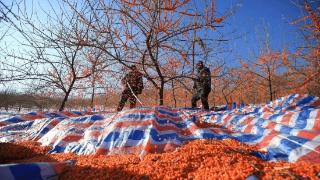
x=131, y=3
x=311, y=71
x=86, y=71
x=186, y=13
x=218, y=20
x=174, y=63
x=212, y=8
x=184, y=56
x=315, y=18
x=173, y=5
x=284, y=56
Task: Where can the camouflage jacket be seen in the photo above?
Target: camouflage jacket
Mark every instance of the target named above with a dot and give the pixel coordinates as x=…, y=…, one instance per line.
x=134, y=79
x=203, y=79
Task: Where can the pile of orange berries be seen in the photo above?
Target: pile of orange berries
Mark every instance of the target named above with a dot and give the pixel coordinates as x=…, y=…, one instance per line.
x=199, y=159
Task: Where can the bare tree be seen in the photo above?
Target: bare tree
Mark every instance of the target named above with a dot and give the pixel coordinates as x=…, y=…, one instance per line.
x=6, y=18
x=55, y=59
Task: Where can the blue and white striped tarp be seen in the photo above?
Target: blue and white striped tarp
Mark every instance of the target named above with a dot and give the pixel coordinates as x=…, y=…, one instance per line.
x=286, y=129
x=40, y=170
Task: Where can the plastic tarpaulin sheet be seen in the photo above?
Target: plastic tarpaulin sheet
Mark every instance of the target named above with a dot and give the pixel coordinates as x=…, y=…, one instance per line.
x=40, y=170
x=286, y=129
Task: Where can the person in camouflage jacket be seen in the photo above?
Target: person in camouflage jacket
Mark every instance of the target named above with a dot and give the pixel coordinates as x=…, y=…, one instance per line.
x=134, y=79
x=202, y=86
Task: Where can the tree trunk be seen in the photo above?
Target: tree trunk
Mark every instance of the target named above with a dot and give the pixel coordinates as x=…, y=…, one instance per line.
x=270, y=85
x=185, y=98
x=214, y=97
x=106, y=100
x=161, y=91
x=174, y=94
x=65, y=99
x=193, y=50
x=92, y=95
x=270, y=93
x=225, y=97
x=93, y=85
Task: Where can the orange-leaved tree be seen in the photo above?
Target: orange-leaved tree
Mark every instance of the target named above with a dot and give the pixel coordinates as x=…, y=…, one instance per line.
x=268, y=70
x=149, y=33
x=309, y=52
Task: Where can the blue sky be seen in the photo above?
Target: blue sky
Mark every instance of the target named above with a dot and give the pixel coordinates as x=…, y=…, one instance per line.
x=253, y=18
x=250, y=21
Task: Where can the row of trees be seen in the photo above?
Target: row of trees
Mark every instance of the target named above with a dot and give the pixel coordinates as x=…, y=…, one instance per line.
x=12, y=100
x=81, y=49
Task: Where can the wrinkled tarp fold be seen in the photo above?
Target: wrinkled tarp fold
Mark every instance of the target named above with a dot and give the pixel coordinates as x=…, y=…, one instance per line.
x=286, y=129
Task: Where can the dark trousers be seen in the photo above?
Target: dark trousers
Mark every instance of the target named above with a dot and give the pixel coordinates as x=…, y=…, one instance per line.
x=200, y=94
x=127, y=94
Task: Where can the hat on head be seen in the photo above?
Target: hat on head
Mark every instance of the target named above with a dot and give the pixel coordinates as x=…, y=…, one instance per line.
x=200, y=64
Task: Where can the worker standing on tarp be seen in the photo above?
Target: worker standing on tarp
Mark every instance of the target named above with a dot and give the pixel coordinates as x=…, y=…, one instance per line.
x=133, y=83
x=202, y=86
